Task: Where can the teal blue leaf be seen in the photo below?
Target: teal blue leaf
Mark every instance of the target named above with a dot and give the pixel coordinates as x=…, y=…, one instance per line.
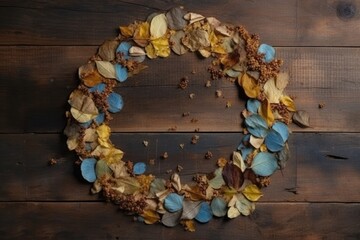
x=244, y=142
x=283, y=156
x=274, y=141
x=86, y=124
x=173, y=202
x=246, y=151
x=264, y=164
x=123, y=48
x=205, y=214
x=139, y=168
x=218, y=207
x=98, y=88
x=88, y=169
x=100, y=118
x=256, y=125
x=268, y=51
x=115, y=102
x=253, y=105
x=121, y=73
x=282, y=129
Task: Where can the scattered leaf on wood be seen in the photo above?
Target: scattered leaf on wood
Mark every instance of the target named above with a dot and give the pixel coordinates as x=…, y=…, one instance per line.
x=301, y=118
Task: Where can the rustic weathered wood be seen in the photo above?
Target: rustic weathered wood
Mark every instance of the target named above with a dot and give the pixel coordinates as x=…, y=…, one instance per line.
x=312, y=174
x=36, y=82
x=281, y=23
x=102, y=221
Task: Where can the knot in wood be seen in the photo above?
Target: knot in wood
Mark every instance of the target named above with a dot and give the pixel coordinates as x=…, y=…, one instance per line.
x=346, y=10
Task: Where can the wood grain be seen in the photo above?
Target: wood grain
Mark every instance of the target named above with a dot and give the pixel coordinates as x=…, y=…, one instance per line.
x=280, y=23
x=36, y=82
x=102, y=221
x=312, y=174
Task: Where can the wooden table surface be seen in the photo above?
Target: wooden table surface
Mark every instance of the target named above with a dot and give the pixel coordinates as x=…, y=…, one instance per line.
x=44, y=42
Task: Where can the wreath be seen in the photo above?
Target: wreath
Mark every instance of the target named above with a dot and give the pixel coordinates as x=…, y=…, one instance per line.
x=235, y=184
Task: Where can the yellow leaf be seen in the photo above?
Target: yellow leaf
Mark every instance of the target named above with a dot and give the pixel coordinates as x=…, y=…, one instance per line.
x=103, y=132
x=189, y=225
x=110, y=155
x=272, y=93
x=161, y=46
x=150, y=51
x=127, y=31
x=282, y=79
x=81, y=117
x=266, y=112
x=142, y=34
x=249, y=84
x=252, y=192
x=150, y=216
x=288, y=102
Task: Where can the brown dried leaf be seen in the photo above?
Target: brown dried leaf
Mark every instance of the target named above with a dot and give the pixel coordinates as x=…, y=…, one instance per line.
x=196, y=39
x=233, y=176
x=176, y=44
x=89, y=75
x=301, y=118
x=107, y=50
x=175, y=18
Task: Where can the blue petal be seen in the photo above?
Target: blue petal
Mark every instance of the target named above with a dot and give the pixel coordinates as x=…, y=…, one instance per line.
x=173, y=202
x=139, y=168
x=121, y=73
x=205, y=214
x=88, y=169
x=274, y=142
x=264, y=164
x=269, y=52
x=253, y=105
x=115, y=102
x=98, y=88
x=282, y=129
x=86, y=124
x=256, y=125
x=246, y=151
x=124, y=49
x=100, y=118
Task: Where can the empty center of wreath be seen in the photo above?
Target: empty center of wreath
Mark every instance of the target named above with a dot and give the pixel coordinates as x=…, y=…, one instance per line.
x=233, y=56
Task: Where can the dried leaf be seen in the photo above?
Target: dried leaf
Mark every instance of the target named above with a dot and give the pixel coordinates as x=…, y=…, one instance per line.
x=253, y=105
x=83, y=103
x=81, y=117
x=150, y=216
x=110, y=155
x=233, y=212
x=127, y=185
x=301, y=118
x=233, y=176
x=175, y=18
x=176, y=44
x=161, y=47
x=252, y=192
x=107, y=50
x=194, y=192
x=156, y=186
x=142, y=34
x=121, y=73
x=218, y=207
x=102, y=168
x=282, y=80
x=175, y=182
x=171, y=219
x=173, y=202
x=288, y=102
x=205, y=213
x=190, y=209
x=218, y=181
x=282, y=129
x=250, y=86
x=266, y=112
x=238, y=161
x=244, y=206
x=88, y=169
x=119, y=169
x=196, y=39
x=127, y=31
x=189, y=225
x=264, y=164
x=158, y=26
x=256, y=125
x=274, y=142
x=272, y=93
x=256, y=142
x=89, y=75
x=193, y=17
x=106, y=69
x=135, y=51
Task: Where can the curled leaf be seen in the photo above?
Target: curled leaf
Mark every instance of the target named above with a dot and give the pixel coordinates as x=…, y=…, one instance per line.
x=250, y=86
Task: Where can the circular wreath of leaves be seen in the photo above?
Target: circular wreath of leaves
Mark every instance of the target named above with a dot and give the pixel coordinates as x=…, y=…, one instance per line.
x=235, y=184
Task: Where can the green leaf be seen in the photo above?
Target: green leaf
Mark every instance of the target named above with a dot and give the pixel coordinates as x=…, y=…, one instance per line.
x=244, y=206
x=218, y=181
x=218, y=207
x=102, y=168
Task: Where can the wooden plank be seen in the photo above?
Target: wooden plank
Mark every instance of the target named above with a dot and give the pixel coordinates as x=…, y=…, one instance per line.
x=102, y=221
x=154, y=103
x=312, y=174
x=281, y=23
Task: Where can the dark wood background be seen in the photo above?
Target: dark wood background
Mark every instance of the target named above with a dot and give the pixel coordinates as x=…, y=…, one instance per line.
x=42, y=43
